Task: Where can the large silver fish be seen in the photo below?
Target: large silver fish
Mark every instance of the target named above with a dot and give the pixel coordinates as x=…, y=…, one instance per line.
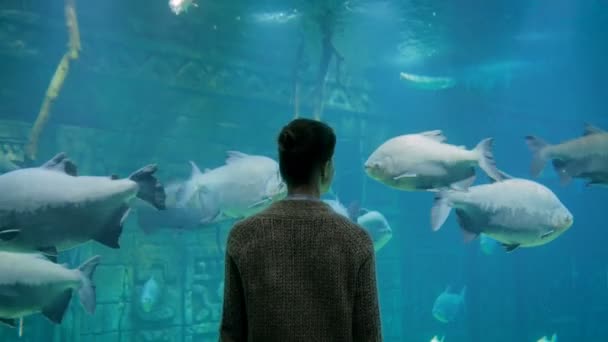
x=244, y=186
x=50, y=208
x=515, y=212
x=585, y=157
x=29, y=284
x=425, y=162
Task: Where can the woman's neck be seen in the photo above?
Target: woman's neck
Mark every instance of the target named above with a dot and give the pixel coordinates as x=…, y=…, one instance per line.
x=305, y=190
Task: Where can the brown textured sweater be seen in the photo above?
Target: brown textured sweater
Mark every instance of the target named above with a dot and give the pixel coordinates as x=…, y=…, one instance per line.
x=300, y=272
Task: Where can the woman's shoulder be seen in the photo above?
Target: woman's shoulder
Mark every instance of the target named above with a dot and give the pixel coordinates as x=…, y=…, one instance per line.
x=354, y=233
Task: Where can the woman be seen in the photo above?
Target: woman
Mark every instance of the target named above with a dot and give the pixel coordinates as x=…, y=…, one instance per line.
x=298, y=271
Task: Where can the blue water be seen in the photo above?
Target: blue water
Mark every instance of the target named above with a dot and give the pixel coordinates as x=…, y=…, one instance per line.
x=520, y=67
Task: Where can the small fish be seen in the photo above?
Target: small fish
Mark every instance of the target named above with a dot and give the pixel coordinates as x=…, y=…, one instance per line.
x=280, y=17
x=49, y=208
x=515, y=212
x=179, y=6
x=545, y=339
x=30, y=284
x=150, y=294
x=428, y=82
x=436, y=339
x=585, y=157
x=449, y=306
x=487, y=244
x=352, y=212
x=424, y=161
x=337, y=207
x=377, y=226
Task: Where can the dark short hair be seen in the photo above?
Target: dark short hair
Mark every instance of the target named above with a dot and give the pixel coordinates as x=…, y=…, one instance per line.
x=305, y=146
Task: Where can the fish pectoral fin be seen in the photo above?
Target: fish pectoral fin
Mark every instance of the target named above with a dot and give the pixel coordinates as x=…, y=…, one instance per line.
x=49, y=252
x=9, y=234
x=405, y=175
x=510, y=247
x=467, y=226
x=61, y=163
x=9, y=322
x=260, y=203
x=110, y=233
x=547, y=234
x=56, y=309
x=424, y=169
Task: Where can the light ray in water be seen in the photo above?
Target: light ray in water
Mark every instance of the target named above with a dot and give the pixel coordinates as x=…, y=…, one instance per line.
x=20, y=327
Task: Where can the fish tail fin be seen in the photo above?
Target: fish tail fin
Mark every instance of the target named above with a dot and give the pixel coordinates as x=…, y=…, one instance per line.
x=150, y=189
x=440, y=211
x=87, y=289
x=188, y=189
x=554, y=338
x=537, y=146
x=486, y=159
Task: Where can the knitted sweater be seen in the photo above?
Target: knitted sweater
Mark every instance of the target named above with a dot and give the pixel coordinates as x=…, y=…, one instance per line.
x=299, y=272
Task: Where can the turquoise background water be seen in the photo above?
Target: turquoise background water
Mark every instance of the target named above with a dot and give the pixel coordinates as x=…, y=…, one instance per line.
x=150, y=86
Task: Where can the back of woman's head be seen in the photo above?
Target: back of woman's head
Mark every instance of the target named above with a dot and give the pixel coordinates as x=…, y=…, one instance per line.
x=305, y=147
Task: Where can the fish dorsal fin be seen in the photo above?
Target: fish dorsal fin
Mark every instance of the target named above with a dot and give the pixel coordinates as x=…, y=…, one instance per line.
x=61, y=163
x=49, y=252
x=195, y=169
x=233, y=156
x=463, y=292
x=590, y=130
x=504, y=176
x=436, y=135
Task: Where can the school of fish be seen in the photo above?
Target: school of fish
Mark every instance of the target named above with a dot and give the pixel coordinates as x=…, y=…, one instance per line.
x=51, y=208
x=511, y=211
